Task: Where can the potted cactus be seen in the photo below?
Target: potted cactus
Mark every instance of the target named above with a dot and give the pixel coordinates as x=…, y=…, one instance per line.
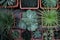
x=29, y=20
x=15, y=34
x=29, y=4
x=8, y=3
x=6, y=23
x=49, y=18
x=48, y=35
x=49, y=4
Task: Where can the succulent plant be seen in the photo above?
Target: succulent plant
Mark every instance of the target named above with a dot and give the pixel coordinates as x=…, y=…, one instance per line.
x=49, y=3
x=49, y=17
x=37, y=34
x=1, y=1
x=6, y=22
x=29, y=20
x=29, y=3
x=15, y=34
x=7, y=2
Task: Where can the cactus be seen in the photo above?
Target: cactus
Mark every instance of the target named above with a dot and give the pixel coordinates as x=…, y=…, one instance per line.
x=48, y=35
x=15, y=34
x=49, y=3
x=6, y=22
x=49, y=17
x=7, y=2
x=29, y=19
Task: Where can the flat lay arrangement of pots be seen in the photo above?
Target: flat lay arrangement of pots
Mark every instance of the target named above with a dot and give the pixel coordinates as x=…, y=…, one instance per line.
x=29, y=20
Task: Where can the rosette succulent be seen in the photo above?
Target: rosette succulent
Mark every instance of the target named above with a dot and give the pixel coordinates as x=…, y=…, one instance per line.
x=49, y=17
x=7, y=2
x=49, y=3
x=37, y=34
x=29, y=20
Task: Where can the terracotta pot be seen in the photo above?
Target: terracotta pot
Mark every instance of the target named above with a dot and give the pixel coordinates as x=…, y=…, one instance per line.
x=19, y=16
x=29, y=7
x=12, y=30
x=43, y=26
x=42, y=7
x=14, y=6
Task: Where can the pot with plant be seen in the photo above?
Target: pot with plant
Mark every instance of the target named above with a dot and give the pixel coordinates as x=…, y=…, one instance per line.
x=49, y=19
x=29, y=4
x=49, y=4
x=8, y=3
x=6, y=23
x=29, y=20
x=48, y=35
x=37, y=34
x=15, y=34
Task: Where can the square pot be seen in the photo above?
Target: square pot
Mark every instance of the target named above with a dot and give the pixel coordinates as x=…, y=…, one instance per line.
x=44, y=26
x=27, y=7
x=14, y=6
x=19, y=31
x=42, y=6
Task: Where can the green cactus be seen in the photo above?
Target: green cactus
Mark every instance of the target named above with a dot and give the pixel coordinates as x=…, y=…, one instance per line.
x=48, y=35
x=49, y=3
x=50, y=17
x=29, y=20
x=15, y=34
x=7, y=2
x=6, y=22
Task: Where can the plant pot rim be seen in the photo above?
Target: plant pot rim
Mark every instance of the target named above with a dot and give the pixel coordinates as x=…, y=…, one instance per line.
x=55, y=26
x=57, y=6
x=29, y=7
x=14, y=6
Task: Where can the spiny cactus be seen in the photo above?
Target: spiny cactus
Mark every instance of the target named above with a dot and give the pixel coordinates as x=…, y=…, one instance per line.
x=7, y=2
x=15, y=34
x=50, y=17
x=49, y=3
x=48, y=35
x=6, y=22
x=29, y=3
x=29, y=20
